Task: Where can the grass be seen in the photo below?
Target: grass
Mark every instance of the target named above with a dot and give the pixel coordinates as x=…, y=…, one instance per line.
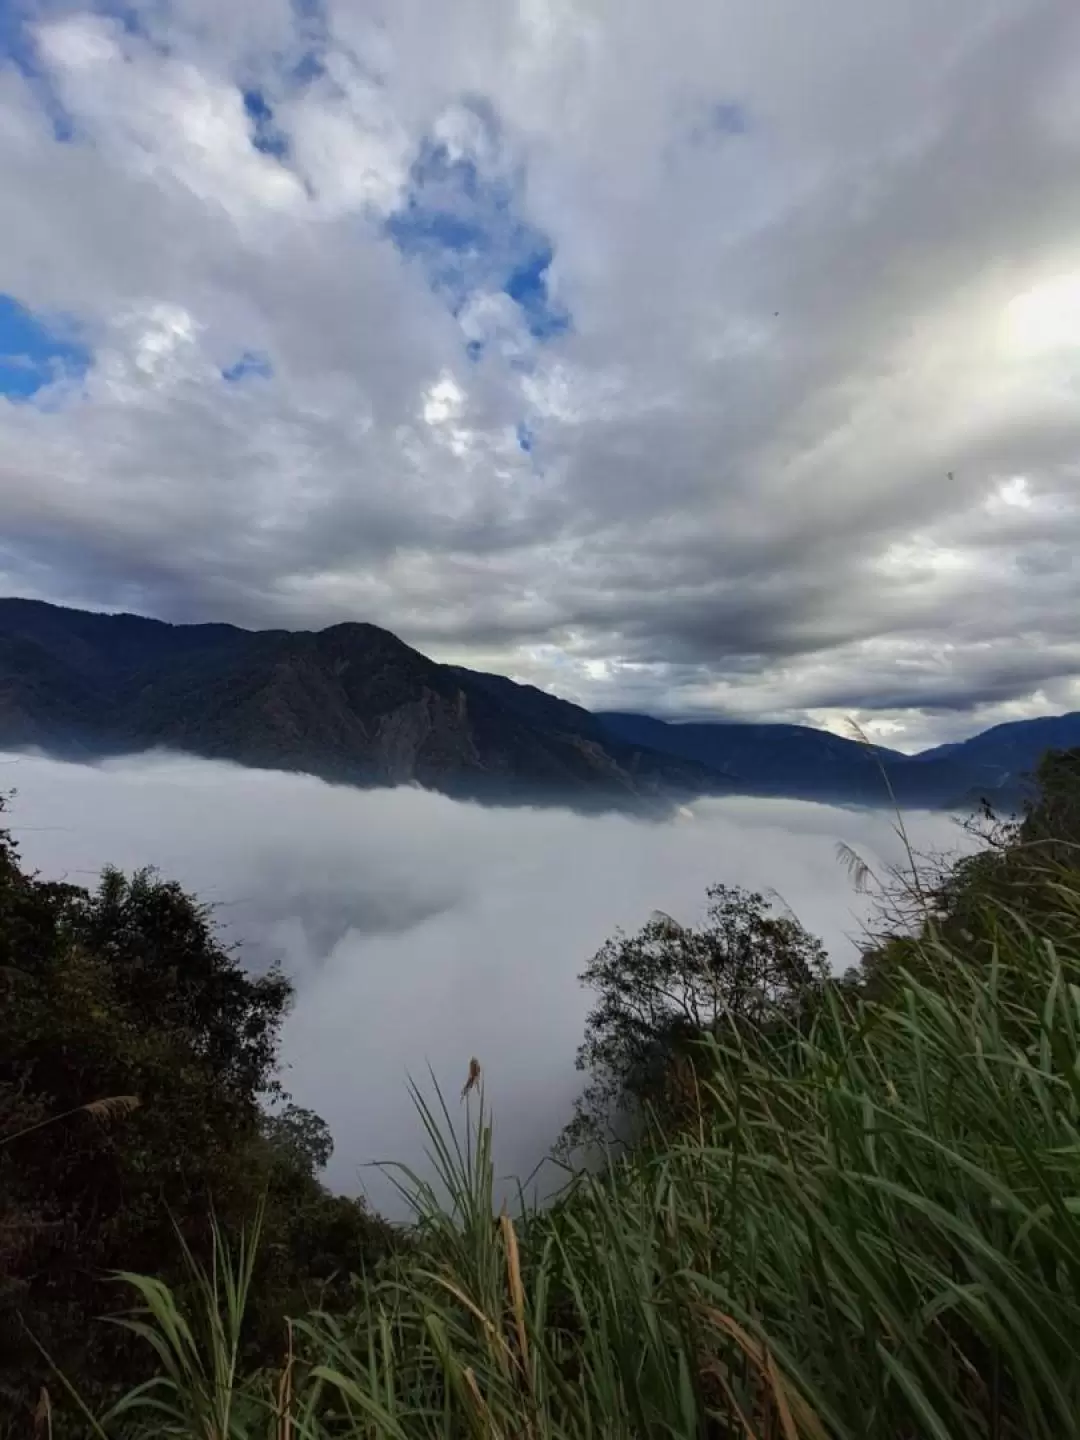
x=869, y=1230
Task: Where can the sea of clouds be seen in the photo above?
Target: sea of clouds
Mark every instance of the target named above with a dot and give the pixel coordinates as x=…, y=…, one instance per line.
x=419, y=931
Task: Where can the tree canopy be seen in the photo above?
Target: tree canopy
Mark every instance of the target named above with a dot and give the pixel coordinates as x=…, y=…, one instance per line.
x=136, y=1057
x=669, y=985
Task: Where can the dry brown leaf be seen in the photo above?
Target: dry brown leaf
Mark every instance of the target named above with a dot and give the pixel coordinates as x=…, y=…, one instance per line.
x=474, y=1077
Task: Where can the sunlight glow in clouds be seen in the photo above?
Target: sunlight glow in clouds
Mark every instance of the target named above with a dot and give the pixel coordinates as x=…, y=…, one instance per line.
x=1046, y=318
x=707, y=330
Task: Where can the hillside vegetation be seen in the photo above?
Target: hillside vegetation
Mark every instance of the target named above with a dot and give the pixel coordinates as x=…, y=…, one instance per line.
x=848, y=1208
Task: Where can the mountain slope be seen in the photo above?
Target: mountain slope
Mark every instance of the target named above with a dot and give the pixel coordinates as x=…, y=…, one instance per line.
x=996, y=763
x=561, y=717
x=792, y=760
x=355, y=704
x=351, y=703
x=1015, y=745
x=808, y=764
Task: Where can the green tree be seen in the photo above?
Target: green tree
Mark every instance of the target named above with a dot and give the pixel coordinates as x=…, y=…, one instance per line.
x=301, y=1136
x=670, y=985
x=135, y=1057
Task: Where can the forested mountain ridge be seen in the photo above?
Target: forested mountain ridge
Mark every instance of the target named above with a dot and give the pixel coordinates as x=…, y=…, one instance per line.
x=356, y=705
x=807, y=764
x=351, y=703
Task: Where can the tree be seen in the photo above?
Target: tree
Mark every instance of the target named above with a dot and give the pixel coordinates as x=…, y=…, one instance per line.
x=135, y=1057
x=161, y=946
x=1051, y=823
x=301, y=1136
x=670, y=985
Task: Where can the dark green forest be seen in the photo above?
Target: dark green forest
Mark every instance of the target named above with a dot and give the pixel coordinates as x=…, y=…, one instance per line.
x=139, y=1096
x=819, y=1206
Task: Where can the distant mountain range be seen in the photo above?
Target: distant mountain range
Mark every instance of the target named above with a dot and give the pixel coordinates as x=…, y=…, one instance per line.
x=354, y=704
x=809, y=764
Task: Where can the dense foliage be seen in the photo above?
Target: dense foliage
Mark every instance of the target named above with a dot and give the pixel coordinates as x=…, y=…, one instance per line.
x=860, y=1221
x=136, y=1056
x=662, y=990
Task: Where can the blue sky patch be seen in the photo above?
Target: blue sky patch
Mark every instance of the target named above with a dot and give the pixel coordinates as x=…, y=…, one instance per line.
x=35, y=353
x=527, y=285
x=462, y=220
x=266, y=134
x=251, y=364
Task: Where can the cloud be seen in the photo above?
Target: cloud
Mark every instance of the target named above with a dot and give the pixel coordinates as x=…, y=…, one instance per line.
x=461, y=219
x=784, y=305
x=419, y=931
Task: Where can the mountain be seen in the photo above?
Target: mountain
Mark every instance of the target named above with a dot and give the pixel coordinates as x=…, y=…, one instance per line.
x=355, y=704
x=1015, y=745
x=995, y=763
x=792, y=760
x=808, y=764
x=351, y=703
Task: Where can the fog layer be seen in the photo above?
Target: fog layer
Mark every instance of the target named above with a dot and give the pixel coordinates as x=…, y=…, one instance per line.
x=419, y=931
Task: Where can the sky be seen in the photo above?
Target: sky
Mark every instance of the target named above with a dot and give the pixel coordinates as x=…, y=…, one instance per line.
x=709, y=359
x=419, y=931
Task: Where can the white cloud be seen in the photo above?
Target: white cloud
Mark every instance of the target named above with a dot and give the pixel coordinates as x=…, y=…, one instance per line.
x=419, y=931
x=821, y=283
x=163, y=119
